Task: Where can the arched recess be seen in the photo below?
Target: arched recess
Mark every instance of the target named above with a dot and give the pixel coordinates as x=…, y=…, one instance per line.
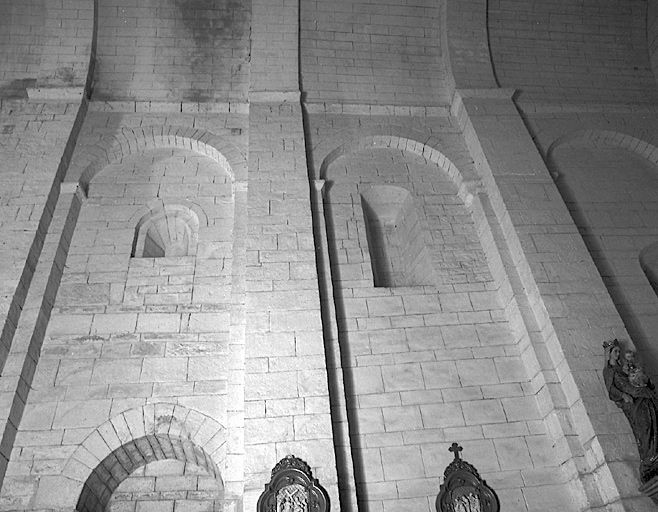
x=465, y=189
x=171, y=230
x=164, y=203
x=639, y=143
x=384, y=345
x=456, y=165
x=209, y=365
x=92, y=159
x=137, y=437
x=609, y=182
x=398, y=253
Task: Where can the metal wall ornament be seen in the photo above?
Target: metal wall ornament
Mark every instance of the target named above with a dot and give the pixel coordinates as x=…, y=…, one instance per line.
x=292, y=488
x=463, y=490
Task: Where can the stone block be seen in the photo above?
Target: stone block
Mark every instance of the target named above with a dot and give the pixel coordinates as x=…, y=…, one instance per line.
x=402, y=418
x=480, y=412
x=456, y=302
x=116, y=371
x=158, y=322
x=272, y=344
x=440, y=374
x=281, y=407
x=513, y=453
x=81, y=414
x=548, y=498
x=388, y=341
x=283, y=321
x=154, y=506
x=521, y=408
x=460, y=336
x=271, y=386
x=38, y=416
x=494, y=334
x=385, y=306
x=421, y=304
x=442, y=415
x=206, y=368
x=312, y=426
x=312, y=383
x=402, y=377
x=368, y=380
x=164, y=369
x=477, y=372
x=74, y=372
x=372, y=463
x=402, y=463
x=269, y=430
x=72, y=294
x=209, y=322
x=57, y=492
x=69, y=324
x=114, y=323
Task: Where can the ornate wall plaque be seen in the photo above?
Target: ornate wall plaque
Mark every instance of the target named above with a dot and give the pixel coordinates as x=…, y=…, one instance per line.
x=293, y=489
x=463, y=490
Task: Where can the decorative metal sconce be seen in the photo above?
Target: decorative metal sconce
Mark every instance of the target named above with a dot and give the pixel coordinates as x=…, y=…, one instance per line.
x=293, y=489
x=463, y=490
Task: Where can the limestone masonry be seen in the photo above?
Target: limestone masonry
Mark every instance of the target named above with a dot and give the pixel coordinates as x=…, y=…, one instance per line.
x=355, y=231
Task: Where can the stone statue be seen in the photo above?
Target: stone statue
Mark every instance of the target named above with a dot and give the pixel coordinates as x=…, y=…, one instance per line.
x=635, y=372
x=638, y=402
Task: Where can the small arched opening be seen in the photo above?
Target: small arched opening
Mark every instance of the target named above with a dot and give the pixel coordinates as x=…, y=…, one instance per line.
x=169, y=231
x=398, y=254
x=165, y=470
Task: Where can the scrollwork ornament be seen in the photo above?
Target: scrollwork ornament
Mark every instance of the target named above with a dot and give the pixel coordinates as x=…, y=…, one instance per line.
x=463, y=490
x=292, y=462
x=293, y=489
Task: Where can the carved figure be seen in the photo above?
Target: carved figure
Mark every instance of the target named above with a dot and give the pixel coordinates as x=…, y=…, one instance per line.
x=635, y=372
x=638, y=402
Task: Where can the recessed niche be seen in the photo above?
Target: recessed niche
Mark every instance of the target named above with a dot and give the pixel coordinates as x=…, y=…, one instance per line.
x=169, y=231
x=398, y=254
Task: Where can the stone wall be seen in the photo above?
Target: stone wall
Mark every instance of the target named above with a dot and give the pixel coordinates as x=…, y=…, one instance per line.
x=237, y=231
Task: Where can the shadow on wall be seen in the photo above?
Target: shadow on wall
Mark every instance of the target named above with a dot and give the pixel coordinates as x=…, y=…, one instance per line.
x=146, y=53
x=21, y=44
x=612, y=195
x=649, y=263
x=396, y=244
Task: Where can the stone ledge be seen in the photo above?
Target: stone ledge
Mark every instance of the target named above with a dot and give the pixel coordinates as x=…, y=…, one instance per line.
x=169, y=107
x=55, y=93
x=274, y=97
x=377, y=110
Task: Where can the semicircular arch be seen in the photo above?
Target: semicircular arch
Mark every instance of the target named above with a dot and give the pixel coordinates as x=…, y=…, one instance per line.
x=129, y=141
x=638, y=143
x=138, y=436
x=391, y=137
x=160, y=203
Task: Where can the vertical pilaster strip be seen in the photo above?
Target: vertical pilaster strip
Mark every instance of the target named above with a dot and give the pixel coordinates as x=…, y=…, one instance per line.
x=19, y=370
x=537, y=230
x=287, y=407
x=274, y=46
x=234, y=471
x=339, y=414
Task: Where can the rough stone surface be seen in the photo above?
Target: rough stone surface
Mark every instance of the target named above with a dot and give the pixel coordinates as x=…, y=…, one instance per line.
x=351, y=231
